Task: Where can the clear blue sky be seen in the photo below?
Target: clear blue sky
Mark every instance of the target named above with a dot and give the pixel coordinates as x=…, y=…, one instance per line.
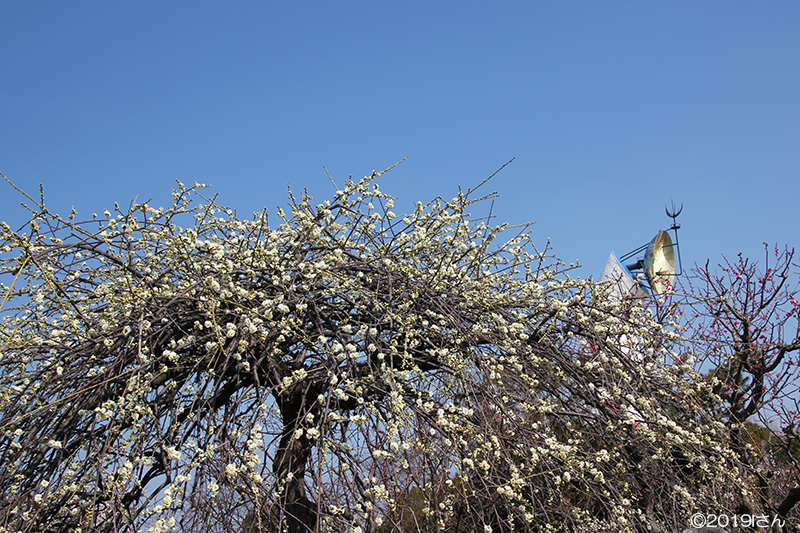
x=611, y=109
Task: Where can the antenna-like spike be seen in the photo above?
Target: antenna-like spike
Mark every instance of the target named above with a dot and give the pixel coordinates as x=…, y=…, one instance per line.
x=673, y=214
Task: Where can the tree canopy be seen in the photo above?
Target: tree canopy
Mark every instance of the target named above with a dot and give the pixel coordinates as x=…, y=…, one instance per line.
x=341, y=369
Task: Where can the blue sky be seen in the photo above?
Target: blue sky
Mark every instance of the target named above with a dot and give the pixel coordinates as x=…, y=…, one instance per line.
x=611, y=110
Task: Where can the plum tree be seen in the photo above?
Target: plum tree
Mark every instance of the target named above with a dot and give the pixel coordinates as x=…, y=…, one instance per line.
x=343, y=369
x=742, y=324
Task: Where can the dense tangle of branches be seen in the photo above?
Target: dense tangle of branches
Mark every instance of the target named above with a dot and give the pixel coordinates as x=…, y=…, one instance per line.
x=344, y=369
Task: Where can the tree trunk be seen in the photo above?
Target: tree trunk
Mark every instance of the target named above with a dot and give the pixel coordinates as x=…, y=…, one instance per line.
x=291, y=511
x=789, y=502
x=293, y=507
